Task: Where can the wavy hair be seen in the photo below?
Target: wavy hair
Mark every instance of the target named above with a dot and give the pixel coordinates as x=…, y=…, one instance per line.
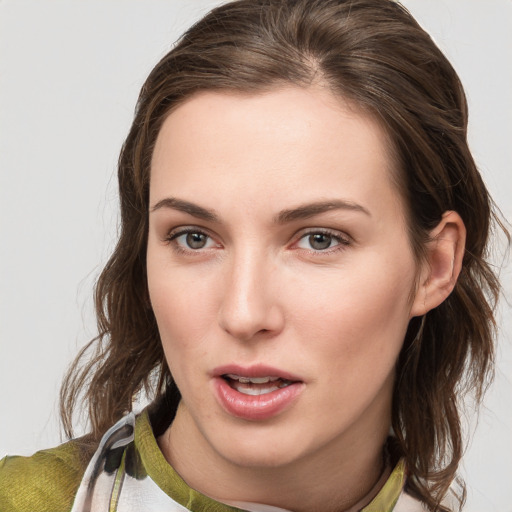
x=373, y=53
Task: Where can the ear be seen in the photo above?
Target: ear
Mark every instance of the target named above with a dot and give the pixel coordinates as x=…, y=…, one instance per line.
x=440, y=270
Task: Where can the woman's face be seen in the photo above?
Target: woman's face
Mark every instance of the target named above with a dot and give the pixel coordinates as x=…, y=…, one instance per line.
x=280, y=273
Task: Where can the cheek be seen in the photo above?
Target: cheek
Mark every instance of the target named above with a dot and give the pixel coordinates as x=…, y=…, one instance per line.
x=184, y=304
x=180, y=315
x=179, y=324
x=360, y=318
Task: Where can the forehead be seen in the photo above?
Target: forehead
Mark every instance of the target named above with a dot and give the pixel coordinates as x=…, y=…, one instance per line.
x=290, y=145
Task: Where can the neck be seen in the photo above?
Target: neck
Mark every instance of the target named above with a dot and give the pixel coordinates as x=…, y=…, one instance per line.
x=343, y=477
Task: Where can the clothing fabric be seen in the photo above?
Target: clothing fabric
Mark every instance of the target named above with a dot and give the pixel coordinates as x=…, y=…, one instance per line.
x=128, y=473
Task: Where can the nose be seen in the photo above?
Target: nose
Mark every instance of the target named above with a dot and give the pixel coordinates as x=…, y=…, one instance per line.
x=250, y=303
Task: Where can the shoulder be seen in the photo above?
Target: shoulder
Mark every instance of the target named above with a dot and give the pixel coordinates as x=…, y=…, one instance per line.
x=45, y=482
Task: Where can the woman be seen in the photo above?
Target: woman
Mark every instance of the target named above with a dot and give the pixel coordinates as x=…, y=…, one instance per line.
x=300, y=268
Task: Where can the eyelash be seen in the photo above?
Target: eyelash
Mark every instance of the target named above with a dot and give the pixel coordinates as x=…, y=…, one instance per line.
x=342, y=242
x=174, y=235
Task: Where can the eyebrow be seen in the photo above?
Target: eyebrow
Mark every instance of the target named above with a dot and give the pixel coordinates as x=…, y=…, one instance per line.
x=311, y=209
x=305, y=211
x=187, y=207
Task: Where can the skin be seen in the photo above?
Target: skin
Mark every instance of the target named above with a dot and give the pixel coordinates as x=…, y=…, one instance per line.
x=259, y=292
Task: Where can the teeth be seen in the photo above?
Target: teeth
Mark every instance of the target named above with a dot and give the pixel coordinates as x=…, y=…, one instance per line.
x=255, y=391
x=255, y=386
x=252, y=380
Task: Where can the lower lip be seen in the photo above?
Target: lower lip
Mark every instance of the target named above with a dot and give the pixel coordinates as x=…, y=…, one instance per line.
x=260, y=407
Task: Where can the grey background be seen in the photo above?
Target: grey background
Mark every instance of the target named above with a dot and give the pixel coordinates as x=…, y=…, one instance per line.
x=70, y=72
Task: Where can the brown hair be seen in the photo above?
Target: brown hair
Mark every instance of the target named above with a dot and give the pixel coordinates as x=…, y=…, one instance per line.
x=373, y=53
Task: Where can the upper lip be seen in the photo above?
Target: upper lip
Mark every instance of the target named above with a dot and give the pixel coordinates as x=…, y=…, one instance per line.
x=256, y=370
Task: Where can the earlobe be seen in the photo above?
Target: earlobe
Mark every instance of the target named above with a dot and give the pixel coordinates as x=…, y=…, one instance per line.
x=445, y=252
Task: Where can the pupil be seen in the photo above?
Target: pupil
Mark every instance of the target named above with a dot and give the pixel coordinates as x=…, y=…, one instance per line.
x=320, y=241
x=196, y=240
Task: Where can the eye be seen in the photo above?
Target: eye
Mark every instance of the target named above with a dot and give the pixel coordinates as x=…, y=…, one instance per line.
x=321, y=241
x=191, y=240
x=194, y=240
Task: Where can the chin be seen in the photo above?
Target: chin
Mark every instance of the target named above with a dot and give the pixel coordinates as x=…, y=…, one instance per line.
x=259, y=446
x=245, y=457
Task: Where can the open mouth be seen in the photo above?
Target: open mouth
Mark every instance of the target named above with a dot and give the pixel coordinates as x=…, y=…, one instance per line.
x=257, y=392
x=255, y=386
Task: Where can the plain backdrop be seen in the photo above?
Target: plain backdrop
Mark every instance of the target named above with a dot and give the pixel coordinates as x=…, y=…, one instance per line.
x=70, y=71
